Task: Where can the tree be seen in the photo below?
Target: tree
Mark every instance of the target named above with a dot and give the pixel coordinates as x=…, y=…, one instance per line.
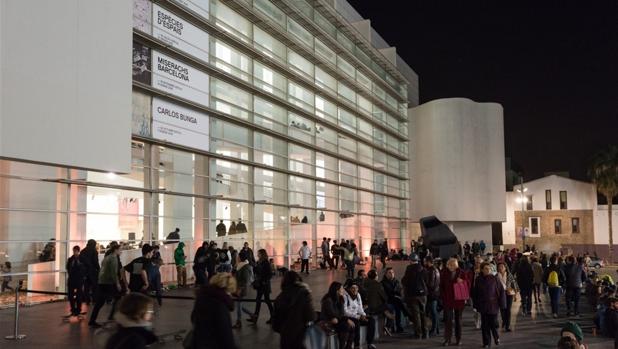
x=604, y=174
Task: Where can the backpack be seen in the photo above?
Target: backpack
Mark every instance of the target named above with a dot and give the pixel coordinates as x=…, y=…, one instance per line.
x=552, y=279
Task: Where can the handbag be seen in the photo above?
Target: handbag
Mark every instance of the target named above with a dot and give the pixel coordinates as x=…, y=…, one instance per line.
x=461, y=291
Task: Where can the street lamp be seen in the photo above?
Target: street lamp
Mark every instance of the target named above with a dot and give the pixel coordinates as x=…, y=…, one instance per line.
x=523, y=199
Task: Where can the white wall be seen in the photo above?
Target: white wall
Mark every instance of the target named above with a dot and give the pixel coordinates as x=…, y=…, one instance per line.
x=601, y=225
x=471, y=231
x=65, y=82
x=457, y=167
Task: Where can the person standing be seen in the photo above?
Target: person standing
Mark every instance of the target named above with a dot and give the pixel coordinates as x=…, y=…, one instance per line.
x=537, y=272
x=575, y=277
x=109, y=286
x=263, y=274
x=383, y=253
x=374, y=251
x=326, y=253
x=134, y=320
x=293, y=311
x=212, y=325
x=511, y=288
x=249, y=252
x=90, y=258
x=394, y=293
x=453, y=307
x=415, y=293
x=489, y=298
x=332, y=312
x=305, y=253
x=348, y=259
x=154, y=273
x=6, y=279
x=180, y=259
x=555, y=278
x=244, y=278
x=525, y=278
x=199, y=264
x=334, y=249
x=76, y=271
x=433, y=294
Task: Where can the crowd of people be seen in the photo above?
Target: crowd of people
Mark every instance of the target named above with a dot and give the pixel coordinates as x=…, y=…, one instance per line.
x=432, y=293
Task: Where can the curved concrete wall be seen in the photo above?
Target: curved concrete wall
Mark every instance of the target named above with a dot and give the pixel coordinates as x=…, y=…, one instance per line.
x=457, y=166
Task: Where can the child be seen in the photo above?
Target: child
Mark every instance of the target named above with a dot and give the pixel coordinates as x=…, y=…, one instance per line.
x=6, y=269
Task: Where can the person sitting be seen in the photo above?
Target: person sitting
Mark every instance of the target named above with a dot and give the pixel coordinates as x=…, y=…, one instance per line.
x=354, y=310
x=375, y=299
x=393, y=289
x=332, y=313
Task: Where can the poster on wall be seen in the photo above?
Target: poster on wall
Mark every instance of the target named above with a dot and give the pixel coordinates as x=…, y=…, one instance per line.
x=142, y=10
x=141, y=114
x=180, y=125
x=179, y=33
x=141, y=63
x=200, y=7
x=179, y=79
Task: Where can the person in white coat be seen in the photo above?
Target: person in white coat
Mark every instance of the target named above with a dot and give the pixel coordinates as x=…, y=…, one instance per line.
x=305, y=254
x=354, y=310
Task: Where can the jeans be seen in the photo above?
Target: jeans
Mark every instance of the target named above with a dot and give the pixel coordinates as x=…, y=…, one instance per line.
x=262, y=293
x=554, y=297
x=104, y=292
x=489, y=328
x=335, y=261
x=537, y=292
x=506, y=313
x=417, y=307
x=371, y=328
x=75, y=298
x=449, y=316
x=526, y=300
x=154, y=279
x=304, y=265
x=432, y=311
x=572, y=295
x=349, y=267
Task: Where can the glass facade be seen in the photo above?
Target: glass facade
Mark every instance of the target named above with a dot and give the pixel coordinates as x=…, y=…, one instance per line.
x=291, y=147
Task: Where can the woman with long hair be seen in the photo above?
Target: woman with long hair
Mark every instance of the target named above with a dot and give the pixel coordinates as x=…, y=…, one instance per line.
x=263, y=274
x=510, y=286
x=453, y=308
x=333, y=314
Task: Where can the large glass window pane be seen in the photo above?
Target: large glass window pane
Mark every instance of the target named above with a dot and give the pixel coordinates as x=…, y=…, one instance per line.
x=232, y=22
x=268, y=45
x=379, y=137
x=270, y=151
x=301, y=191
x=345, y=67
x=325, y=109
x=301, y=97
x=347, y=120
x=229, y=140
x=379, y=159
x=345, y=42
x=326, y=195
x=325, y=137
x=232, y=61
x=301, y=128
x=365, y=129
x=300, y=65
x=300, y=33
x=379, y=92
x=325, y=24
x=325, y=51
x=363, y=80
x=269, y=80
x=347, y=146
x=347, y=173
x=346, y=92
x=366, y=202
x=326, y=167
x=347, y=199
x=300, y=159
x=270, y=10
x=364, y=106
x=365, y=177
x=230, y=99
x=365, y=153
x=270, y=115
x=325, y=80
x=235, y=216
x=229, y=179
x=271, y=230
x=270, y=186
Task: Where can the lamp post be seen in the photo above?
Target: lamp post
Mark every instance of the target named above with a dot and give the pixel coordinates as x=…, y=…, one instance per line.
x=522, y=199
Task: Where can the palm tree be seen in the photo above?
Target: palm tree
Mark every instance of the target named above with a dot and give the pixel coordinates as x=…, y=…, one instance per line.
x=604, y=173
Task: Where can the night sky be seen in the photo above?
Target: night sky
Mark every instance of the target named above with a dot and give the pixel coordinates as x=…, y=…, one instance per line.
x=553, y=65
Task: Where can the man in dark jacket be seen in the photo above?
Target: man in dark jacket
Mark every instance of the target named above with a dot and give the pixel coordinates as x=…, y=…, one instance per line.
x=293, y=309
x=525, y=278
x=394, y=291
x=89, y=257
x=415, y=292
x=76, y=271
x=575, y=277
x=375, y=298
x=334, y=249
x=374, y=252
x=433, y=294
x=554, y=286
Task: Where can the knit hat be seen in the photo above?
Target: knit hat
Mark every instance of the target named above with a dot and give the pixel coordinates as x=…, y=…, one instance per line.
x=573, y=328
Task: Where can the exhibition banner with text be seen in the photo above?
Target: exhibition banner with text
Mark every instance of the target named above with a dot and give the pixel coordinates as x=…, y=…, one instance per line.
x=180, y=125
x=179, y=79
x=179, y=33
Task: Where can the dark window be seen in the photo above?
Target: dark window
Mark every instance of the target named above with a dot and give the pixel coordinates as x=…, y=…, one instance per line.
x=575, y=225
x=563, y=200
x=548, y=199
x=534, y=226
x=558, y=226
x=529, y=202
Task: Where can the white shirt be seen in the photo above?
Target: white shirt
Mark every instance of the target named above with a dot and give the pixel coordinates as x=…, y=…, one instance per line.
x=304, y=252
x=353, y=308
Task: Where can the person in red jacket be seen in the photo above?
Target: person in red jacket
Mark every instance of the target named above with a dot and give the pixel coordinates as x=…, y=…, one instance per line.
x=453, y=309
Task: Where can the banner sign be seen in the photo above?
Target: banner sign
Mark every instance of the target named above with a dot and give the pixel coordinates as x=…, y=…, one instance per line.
x=179, y=33
x=179, y=79
x=180, y=125
x=200, y=7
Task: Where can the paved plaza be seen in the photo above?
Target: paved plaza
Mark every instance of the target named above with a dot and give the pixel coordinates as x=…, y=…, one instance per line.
x=44, y=326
